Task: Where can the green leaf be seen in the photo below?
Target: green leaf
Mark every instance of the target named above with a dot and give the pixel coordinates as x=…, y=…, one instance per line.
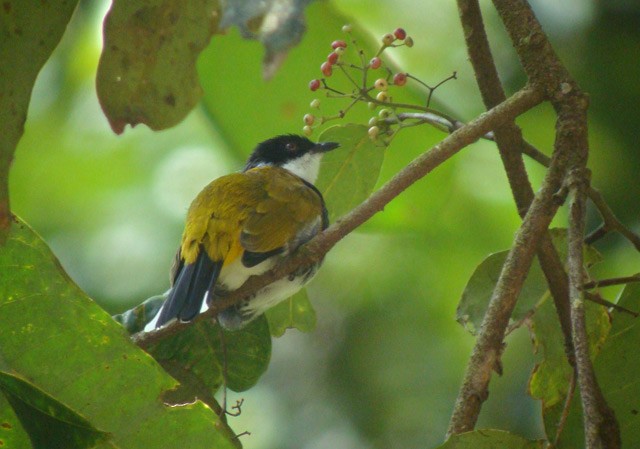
x=296, y=312
x=256, y=21
x=490, y=439
x=147, y=70
x=200, y=354
x=52, y=334
x=349, y=173
x=49, y=423
x=479, y=288
x=617, y=366
x=551, y=375
x=30, y=28
x=477, y=293
x=12, y=434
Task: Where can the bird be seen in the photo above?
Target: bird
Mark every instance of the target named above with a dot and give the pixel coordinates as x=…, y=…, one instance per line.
x=242, y=224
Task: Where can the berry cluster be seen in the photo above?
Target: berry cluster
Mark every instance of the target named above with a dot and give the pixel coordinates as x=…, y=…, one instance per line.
x=374, y=94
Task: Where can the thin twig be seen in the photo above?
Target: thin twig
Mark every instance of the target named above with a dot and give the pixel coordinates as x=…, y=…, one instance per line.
x=612, y=281
x=315, y=250
x=596, y=298
x=611, y=222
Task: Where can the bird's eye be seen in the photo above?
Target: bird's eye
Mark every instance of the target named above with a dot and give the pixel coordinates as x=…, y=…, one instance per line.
x=291, y=147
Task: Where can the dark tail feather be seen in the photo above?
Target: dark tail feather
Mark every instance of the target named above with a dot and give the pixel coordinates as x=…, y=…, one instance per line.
x=191, y=284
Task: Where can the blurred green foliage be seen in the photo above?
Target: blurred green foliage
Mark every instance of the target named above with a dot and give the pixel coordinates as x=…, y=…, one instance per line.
x=383, y=367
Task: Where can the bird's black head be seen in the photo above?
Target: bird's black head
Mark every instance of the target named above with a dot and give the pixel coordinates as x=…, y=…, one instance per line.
x=283, y=150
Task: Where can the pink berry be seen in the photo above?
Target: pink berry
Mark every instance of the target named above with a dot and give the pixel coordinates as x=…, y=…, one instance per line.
x=338, y=43
x=400, y=79
x=332, y=58
x=375, y=63
x=325, y=68
x=400, y=33
x=314, y=85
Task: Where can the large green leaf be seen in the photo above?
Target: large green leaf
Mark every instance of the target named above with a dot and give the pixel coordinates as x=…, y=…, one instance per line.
x=147, y=69
x=349, y=173
x=52, y=334
x=29, y=31
x=490, y=439
x=49, y=423
x=203, y=353
x=479, y=289
x=296, y=312
x=617, y=366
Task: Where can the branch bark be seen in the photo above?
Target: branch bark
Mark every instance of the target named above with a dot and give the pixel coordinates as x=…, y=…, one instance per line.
x=544, y=70
x=510, y=142
x=315, y=250
x=600, y=425
x=489, y=343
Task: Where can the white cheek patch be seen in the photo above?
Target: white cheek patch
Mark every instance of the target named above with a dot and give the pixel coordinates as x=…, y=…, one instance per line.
x=307, y=166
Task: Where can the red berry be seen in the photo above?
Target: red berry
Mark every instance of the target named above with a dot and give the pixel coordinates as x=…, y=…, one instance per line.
x=338, y=43
x=400, y=33
x=400, y=79
x=332, y=58
x=314, y=85
x=325, y=68
x=375, y=63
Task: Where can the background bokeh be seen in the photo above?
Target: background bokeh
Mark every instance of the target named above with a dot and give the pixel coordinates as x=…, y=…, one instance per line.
x=383, y=367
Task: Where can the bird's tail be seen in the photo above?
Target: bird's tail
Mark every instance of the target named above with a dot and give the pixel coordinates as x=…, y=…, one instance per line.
x=191, y=284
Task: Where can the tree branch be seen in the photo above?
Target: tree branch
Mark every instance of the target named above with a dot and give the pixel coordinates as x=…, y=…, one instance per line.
x=600, y=425
x=544, y=69
x=489, y=343
x=510, y=142
x=315, y=250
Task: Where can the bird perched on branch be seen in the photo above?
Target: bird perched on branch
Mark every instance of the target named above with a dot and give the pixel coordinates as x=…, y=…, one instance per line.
x=242, y=224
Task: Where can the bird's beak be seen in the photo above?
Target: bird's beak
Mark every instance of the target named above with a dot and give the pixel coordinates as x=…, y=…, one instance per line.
x=323, y=147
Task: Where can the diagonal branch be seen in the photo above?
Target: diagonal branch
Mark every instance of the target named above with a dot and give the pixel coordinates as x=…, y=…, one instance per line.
x=489, y=343
x=510, y=142
x=316, y=249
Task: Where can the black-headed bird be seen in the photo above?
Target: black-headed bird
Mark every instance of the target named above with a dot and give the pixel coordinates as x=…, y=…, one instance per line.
x=241, y=225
